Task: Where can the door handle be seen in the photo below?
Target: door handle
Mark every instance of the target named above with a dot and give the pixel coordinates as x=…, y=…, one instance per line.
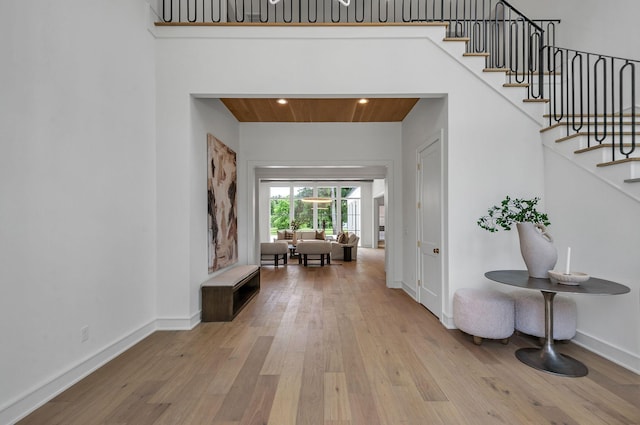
x=436, y=250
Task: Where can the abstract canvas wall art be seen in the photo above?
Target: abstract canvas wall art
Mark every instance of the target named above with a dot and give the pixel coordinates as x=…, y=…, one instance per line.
x=222, y=215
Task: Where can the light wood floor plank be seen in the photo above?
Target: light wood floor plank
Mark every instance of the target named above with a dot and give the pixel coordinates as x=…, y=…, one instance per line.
x=336, y=397
x=285, y=404
x=333, y=346
x=237, y=399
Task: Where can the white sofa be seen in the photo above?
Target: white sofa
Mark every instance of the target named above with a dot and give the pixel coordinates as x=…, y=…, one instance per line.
x=301, y=235
x=337, y=248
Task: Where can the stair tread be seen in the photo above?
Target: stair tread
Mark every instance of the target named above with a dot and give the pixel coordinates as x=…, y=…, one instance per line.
x=594, y=115
x=515, y=85
x=473, y=54
x=465, y=39
x=533, y=73
x=587, y=124
x=618, y=161
x=588, y=133
x=602, y=146
x=535, y=100
x=505, y=70
x=636, y=180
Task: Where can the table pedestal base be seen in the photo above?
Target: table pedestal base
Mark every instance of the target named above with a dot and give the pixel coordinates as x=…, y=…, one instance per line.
x=552, y=362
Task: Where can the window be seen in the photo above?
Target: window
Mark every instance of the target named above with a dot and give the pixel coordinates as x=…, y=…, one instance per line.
x=351, y=210
x=303, y=211
x=326, y=212
x=280, y=198
x=286, y=205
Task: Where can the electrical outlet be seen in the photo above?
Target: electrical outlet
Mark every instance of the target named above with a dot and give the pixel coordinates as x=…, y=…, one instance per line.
x=84, y=333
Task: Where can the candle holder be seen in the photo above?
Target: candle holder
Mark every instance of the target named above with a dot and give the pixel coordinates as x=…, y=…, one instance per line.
x=572, y=278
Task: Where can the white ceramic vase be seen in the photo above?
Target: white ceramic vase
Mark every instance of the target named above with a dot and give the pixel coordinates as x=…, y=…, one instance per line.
x=538, y=251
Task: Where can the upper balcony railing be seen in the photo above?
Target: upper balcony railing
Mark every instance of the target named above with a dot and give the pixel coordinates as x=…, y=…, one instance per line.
x=455, y=12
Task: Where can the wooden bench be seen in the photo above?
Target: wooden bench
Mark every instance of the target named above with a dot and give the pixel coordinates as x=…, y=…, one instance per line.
x=224, y=295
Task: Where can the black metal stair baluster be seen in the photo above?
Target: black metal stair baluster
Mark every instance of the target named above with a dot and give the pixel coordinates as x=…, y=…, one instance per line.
x=355, y=17
x=632, y=70
x=164, y=11
x=332, y=9
x=213, y=4
x=515, y=52
x=195, y=11
x=239, y=18
x=533, y=57
x=589, y=91
x=315, y=10
x=613, y=110
x=558, y=99
x=576, y=57
x=284, y=4
x=596, y=98
x=386, y=9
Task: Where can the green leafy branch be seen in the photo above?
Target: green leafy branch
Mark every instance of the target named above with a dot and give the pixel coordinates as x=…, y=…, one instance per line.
x=512, y=211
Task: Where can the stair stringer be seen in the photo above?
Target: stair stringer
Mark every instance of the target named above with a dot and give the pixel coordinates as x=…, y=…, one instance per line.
x=476, y=65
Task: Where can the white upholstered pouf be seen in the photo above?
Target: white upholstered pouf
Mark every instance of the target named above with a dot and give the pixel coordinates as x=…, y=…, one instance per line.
x=530, y=315
x=484, y=313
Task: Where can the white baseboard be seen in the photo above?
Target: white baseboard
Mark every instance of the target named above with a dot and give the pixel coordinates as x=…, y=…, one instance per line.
x=610, y=352
x=178, y=323
x=409, y=290
x=26, y=403
x=447, y=321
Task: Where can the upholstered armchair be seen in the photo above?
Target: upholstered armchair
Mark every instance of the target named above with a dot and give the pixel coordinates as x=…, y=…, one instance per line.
x=337, y=248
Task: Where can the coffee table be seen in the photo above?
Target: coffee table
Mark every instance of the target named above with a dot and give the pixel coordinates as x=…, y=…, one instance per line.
x=546, y=358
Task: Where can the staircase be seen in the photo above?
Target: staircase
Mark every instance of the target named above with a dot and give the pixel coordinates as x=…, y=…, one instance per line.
x=586, y=104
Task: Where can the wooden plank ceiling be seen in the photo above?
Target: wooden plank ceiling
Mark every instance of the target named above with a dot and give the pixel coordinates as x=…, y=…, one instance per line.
x=319, y=110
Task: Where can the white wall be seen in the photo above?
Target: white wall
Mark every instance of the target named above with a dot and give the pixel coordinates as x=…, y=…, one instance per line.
x=596, y=26
x=599, y=223
x=77, y=215
x=366, y=215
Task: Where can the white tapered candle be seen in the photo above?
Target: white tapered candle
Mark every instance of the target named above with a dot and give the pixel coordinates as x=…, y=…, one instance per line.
x=568, y=270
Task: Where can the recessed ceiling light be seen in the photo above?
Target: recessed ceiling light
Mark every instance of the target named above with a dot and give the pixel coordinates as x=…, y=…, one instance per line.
x=282, y=101
x=363, y=101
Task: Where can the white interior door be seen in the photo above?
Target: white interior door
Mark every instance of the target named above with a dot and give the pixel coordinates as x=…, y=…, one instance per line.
x=430, y=226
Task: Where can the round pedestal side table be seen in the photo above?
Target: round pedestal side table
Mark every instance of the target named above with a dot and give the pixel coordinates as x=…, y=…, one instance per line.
x=546, y=358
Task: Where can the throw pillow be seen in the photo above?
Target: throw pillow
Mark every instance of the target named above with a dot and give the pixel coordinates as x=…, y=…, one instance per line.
x=342, y=238
x=281, y=235
x=320, y=235
x=288, y=234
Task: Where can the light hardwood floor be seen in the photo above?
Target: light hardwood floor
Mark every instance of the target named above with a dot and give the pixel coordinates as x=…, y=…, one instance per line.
x=334, y=346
